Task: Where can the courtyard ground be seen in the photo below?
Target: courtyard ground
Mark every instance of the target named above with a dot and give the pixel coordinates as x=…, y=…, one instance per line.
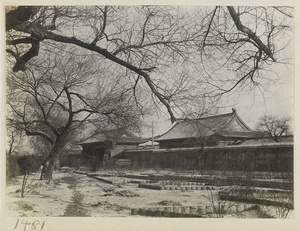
x=70, y=194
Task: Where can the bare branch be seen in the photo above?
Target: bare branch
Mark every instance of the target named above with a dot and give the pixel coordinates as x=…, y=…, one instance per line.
x=281, y=11
x=103, y=26
x=249, y=32
x=32, y=52
x=209, y=26
x=41, y=134
x=105, y=53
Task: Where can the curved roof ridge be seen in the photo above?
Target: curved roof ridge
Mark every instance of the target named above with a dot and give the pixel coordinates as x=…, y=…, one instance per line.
x=206, y=117
x=240, y=120
x=167, y=131
x=234, y=114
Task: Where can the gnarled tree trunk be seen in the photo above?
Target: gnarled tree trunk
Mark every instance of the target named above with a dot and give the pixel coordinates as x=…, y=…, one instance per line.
x=53, y=158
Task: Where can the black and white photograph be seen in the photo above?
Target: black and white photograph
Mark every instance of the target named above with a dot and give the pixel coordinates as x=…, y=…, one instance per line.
x=148, y=112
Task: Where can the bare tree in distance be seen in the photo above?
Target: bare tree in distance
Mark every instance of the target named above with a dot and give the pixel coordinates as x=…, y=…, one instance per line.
x=232, y=45
x=274, y=126
x=14, y=138
x=56, y=95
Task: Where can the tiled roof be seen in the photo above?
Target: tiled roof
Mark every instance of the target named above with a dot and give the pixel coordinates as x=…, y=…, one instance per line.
x=124, y=138
x=130, y=140
x=97, y=138
x=208, y=126
x=233, y=134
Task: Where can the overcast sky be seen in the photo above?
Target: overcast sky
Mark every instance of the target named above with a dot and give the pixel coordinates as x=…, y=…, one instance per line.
x=276, y=99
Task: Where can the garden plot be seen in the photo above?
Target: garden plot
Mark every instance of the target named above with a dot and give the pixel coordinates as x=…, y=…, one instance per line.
x=72, y=194
x=176, y=185
x=93, y=197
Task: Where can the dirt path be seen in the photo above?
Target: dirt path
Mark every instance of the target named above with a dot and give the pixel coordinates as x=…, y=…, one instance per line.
x=75, y=207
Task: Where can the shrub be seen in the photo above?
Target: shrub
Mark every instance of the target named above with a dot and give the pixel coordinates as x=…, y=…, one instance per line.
x=21, y=165
x=29, y=163
x=12, y=168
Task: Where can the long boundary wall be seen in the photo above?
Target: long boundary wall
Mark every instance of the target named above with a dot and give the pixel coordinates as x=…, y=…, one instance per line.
x=268, y=158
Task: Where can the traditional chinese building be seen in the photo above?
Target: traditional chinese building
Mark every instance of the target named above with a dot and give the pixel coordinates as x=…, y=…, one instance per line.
x=99, y=148
x=207, y=131
x=221, y=142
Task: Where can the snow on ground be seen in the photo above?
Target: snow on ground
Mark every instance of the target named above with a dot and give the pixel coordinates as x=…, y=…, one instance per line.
x=41, y=198
x=75, y=195
x=71, y=194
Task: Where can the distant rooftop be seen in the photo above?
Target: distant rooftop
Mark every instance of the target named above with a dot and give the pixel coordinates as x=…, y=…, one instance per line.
x=227, y=125
x=118, y=136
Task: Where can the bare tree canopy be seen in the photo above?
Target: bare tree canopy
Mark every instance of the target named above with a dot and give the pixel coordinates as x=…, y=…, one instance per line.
x=273, y=126
x=56, y=95
x=231, y=45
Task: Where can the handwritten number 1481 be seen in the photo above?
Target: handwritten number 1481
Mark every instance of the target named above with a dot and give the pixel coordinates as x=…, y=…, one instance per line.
x=37, y=224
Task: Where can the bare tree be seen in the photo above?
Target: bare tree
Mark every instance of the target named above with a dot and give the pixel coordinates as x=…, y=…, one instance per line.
x=228, y=47
x=233, y=45
x=11, y=136
x=273, y=126
x=58, y=94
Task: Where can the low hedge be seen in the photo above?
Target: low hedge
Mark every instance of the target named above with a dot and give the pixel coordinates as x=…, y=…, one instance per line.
x=20, y=165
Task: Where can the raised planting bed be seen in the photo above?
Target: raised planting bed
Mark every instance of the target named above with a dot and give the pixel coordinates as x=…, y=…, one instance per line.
x=151, y=186
x=180, y=183
x=258, y=201
x=182, y=187
x=95, y=176
x=217, y=181
x=189, y=211
x=207, y=180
